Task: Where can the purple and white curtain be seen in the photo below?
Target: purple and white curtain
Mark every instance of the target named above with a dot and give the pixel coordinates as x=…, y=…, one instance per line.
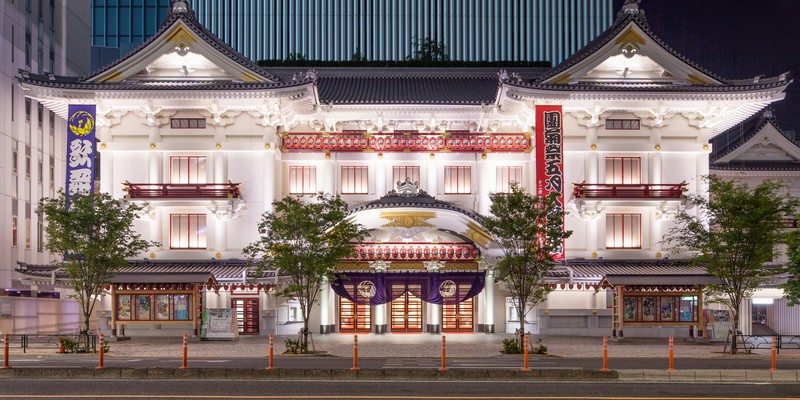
x=432, y=287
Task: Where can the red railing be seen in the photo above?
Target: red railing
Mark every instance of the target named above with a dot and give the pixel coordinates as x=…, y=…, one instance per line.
x=228, y=190
x=628, y=191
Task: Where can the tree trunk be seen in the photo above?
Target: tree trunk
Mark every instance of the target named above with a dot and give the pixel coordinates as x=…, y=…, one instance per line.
x=735, y=327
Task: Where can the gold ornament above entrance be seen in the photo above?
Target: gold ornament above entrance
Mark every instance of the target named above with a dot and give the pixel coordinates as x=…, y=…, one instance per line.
x=477, y=234
x=408, y=219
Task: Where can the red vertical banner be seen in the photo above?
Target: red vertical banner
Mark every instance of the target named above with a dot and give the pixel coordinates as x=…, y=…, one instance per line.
x=550, y=158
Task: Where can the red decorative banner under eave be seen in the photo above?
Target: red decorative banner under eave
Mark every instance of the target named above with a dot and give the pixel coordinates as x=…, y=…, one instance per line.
x=550, y=158
x=407, y=142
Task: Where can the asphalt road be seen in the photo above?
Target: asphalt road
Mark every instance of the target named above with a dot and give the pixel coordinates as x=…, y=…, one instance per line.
x=499, y=362
x=72, y=389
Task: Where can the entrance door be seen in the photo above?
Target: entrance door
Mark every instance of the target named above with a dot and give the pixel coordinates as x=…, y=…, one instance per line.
x=246, y=315
x=406, y=311
x=458, y=317
x=354, y=317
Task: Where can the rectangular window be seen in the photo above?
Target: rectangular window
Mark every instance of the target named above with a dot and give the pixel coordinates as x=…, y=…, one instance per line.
x=302, y=180
x=187, y=231
x=623, y=231
x=39, y=236
x=40, y=171
x=28, y=49
x=27, y=110
x=457, y=180
x=13, y=101
x=355, y=180
x=187, y=123
x=506, y=176
x=401, y=172
x=27, y=233
x=13, y=43
x=623, y=170
x=622, y=124
x=14, y=231
x=14, y=159
x=28, y=162
x=40, y=114
x=52, y=172
x=154, y=306
x=187, y=169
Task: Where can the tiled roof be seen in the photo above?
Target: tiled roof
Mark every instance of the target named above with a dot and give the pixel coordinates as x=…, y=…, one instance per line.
x=231, y=269
x=78, y=83
x=622, y=21
x=190, y=19
x=597, y=269
x=756, y=165
x=421, y=200
x=661, y=280
x=730, y=140
x=407, y=90
x=739, y=86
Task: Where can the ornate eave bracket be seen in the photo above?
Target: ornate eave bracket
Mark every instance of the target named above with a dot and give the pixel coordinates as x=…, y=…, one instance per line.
x=668, y=210
x=228, y=210
x=587, y=211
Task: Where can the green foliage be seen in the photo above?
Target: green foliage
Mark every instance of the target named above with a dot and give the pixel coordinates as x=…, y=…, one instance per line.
x=357, y=57
x=96, y=236
x=539, y=348
x=732, y=233
x=511, y=346
x=295, y=347
x=529, y=229
x=791, y=288
x=68, y=344
x=428, y=49
x=304, y=240
x=298, y=57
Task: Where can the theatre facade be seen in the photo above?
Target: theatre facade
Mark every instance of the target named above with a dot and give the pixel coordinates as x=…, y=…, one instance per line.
x=209, y=140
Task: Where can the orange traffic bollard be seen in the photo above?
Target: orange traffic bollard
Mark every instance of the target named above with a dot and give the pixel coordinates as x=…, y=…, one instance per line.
x=525, y=352
x=444, y=354
x=355, y=353
x=774, y=354
x=671, y=355
x=271, y=344
x=102, y=350
x=185, y=352
x=5, y=352
x=605, y=354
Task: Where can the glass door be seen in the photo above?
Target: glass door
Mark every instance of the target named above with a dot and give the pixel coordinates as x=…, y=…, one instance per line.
x=354, y=317
x=246, y=315
x=406, y=310
x=458, y=317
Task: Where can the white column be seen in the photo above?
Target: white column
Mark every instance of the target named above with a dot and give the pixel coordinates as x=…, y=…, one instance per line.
x=220, y=164
x=592, y=167
x=702, y=173
x=592, y=234
x=154, y=162
x=155, y=228
x=593, y=176
x=106, y=172
x=435, y=317
x=380, y=178
x=220, y=235
x=270, y=178
x=654, y=168
x=329, y=177
x=380, y=318
x=484, y=177
x=433, y=174
x=488, y=301
x=746, y=317
x=325, y=307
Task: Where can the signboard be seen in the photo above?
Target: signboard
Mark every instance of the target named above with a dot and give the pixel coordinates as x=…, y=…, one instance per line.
x=80, y=149
x=219, y=323
x=550, y=158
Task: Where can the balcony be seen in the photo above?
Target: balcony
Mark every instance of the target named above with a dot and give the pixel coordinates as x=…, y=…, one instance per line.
x=590, y=199
x=176, y=191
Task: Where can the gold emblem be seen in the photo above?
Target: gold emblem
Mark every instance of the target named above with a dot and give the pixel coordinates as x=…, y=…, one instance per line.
x=81, y=123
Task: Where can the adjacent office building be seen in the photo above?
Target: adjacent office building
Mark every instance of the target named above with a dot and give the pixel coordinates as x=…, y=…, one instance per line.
x=472, y=30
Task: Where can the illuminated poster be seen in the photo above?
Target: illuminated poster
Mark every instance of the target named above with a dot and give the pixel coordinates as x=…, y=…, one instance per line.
x=550, y=158
x=80, y=149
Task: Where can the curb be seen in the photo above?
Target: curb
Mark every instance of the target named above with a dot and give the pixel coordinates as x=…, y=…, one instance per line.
x=157, y=373
x=710, y=375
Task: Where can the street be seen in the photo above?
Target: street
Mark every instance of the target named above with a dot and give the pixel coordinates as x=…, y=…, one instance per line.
x=210, y=389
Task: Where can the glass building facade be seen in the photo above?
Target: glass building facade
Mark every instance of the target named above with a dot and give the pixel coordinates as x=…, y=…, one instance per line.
x=471, y=30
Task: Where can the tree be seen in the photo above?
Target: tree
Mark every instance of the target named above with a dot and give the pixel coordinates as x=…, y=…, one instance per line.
x=304, y=240
x=95, y=235
x=529, y=230
x=732, y=233
x=791, y=288
x=428, y=50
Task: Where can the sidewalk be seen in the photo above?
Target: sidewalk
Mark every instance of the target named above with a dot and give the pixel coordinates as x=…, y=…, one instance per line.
x=418, y=345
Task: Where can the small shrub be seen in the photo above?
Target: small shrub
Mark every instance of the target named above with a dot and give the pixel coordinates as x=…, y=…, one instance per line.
x=539, y=348
x=68, y=344
x=295, y=347
x=511, y=346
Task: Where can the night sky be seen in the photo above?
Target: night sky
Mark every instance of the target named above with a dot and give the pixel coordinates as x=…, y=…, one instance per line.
x=736, y=39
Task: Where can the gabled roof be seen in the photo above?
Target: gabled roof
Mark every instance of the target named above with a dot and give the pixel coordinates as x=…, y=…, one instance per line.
x=632, y=36
x=594, y=270
x=419, y=200
x=759, y=131
x=181, y=32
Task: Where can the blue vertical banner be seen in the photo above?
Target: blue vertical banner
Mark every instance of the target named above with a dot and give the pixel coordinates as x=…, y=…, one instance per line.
x=80, y=149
